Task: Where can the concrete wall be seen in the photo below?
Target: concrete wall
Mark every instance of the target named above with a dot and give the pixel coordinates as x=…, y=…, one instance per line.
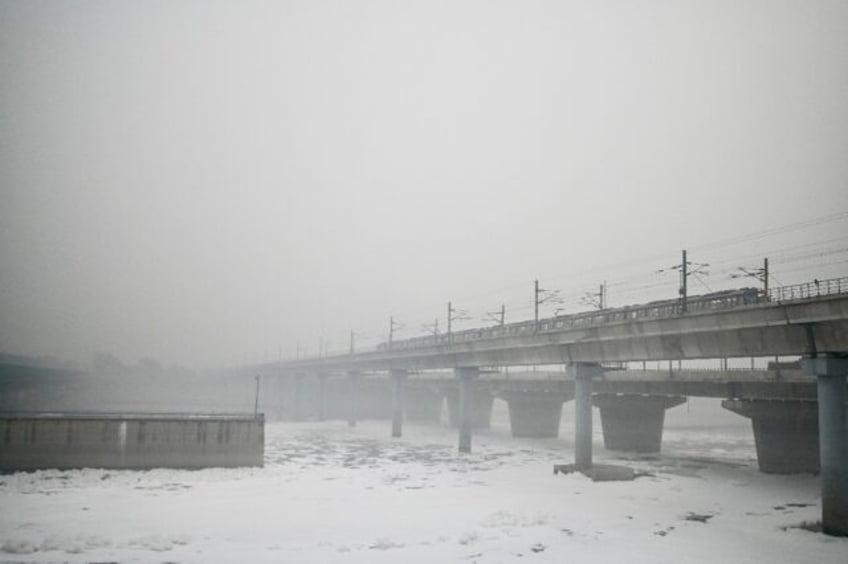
x=36, y=441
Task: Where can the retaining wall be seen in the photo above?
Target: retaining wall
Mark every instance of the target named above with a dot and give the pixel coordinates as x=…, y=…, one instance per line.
x=62, y=440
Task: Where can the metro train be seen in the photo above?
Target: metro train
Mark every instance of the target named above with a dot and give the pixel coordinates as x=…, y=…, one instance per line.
x=660, y=308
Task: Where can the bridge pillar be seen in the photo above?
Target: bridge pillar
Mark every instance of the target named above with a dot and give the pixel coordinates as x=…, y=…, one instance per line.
x=583, y=373
x=833, y=440
x=352, y=398
x=398, y=381
x=423, y=404
x=634, y=422
x=534, y=414
x=481, y=414
x=321, y=410
x=466, y=377
x=297, y=398
x=785, y=433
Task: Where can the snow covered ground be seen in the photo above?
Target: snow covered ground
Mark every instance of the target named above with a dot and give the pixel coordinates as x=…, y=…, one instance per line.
x=329, y=494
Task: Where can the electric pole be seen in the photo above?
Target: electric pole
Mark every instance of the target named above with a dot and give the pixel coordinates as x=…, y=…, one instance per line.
x=393, y=326
x=536, y=302
x=540, y=296
x=685, y=273
x=432, y=329
x=765, y=277
x=498, y=317
x=596, y=300
x=256, y=401
x=455, y=315
x=683, y=276
x=761, y=274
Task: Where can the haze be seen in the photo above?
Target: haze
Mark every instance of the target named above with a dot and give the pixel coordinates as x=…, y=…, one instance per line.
x=212, y=183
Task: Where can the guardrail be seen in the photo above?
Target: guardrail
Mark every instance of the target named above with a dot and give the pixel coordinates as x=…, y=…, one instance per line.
x=814, y=289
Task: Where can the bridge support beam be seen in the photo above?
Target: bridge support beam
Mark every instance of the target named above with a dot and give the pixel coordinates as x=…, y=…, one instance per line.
x=481, y=414
x=785, y=433
x=634, y=422
x=466, y=377
x=534, y=414
x=352, y=398
x=423, y=404
x=398, y=381
x=583, y=374
x=830, y=372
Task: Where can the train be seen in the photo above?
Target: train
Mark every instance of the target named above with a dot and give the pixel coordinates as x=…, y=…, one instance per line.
x=656, y=309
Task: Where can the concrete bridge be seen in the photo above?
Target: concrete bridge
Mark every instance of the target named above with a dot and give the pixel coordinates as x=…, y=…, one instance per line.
x=810, y=321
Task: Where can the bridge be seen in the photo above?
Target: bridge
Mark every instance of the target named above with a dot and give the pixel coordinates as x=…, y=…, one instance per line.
x=807, y=320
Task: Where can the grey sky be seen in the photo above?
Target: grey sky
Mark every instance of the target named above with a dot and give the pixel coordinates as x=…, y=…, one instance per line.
x=213, y=182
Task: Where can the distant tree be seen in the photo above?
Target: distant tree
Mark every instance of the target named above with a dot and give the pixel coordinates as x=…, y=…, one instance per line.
x=107, y=364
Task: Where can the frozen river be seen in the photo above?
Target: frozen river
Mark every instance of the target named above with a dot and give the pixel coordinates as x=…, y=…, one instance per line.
x=328, y=493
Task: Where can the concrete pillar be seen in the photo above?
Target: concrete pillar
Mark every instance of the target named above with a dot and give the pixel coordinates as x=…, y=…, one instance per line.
x=297, y=398
x=785, y=433
x=398, y=380
x=634, y=422
x=481, y=399
x=466, y=377
x=833, y=440
x=583, y=374
x=423, y=404
x=321, y=411
x=534, y=414
x=352, y=398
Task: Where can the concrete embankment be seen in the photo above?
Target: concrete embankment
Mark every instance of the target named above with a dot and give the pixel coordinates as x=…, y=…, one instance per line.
x=34, y=441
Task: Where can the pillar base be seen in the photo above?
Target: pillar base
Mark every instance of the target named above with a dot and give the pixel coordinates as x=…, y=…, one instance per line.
x=634, y=422
x=786, y=433
x=534, y=414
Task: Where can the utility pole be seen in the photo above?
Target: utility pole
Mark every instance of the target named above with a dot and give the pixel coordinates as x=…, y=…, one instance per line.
x=256, y=401
x=455, y=315
x=761, y=274
x=540, y=296
x=683, y=276
x=450, y=319
x=432, y=329
x=536, y=302
x=685, y=273
x=393, y=326
x=498, y=317
x=765, y=277
x=596, y=300
x=352, y=341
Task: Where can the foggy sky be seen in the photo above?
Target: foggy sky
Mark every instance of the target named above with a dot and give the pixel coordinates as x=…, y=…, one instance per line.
x=211, y=183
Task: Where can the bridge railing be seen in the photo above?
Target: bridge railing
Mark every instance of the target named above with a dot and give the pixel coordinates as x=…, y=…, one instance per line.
x=814, y=289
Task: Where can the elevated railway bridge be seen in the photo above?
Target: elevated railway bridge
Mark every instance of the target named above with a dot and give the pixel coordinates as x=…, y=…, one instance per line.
x=788, y=408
